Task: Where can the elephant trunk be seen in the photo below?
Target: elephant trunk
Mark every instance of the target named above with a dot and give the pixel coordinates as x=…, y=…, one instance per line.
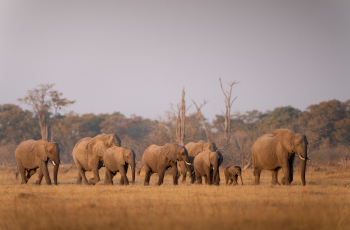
x=302, y=171
x=133, y=171
x=215, y=173
x=55, y=172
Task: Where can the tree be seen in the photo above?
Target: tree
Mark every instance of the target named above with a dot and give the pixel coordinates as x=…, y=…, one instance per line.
x=199, y=112
x=43, y=100
x=228, y=105
x=16, y=125
x=181, y=120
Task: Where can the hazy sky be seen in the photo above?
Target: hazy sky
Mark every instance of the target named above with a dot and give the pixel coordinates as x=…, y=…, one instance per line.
x=136, y=56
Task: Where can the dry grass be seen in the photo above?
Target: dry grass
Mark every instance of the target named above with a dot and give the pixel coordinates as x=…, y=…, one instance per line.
x=323, y=204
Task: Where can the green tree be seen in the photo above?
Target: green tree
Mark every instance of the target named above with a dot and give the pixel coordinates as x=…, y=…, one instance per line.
x=43, y=100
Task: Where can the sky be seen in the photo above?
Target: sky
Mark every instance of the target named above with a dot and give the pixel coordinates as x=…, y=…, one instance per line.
x=135, y=57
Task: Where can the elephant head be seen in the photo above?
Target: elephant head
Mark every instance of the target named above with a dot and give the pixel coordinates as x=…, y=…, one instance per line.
x=127, y=157
x=177, y=153
x=44, y=150
x=100, y=143
x=294, y=144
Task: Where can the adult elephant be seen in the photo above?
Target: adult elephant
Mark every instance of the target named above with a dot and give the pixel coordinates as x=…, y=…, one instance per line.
x=33, y=155
x=275, y=151
x=156, y=159
x=193, y=149
x=207, y=164
x=119, y=159
x=88, y=155
x=232, y=173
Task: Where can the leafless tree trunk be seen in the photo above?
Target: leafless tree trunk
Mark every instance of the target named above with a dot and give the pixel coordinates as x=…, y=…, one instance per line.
x=228, y=104
x=202, y=118
x=180, y=121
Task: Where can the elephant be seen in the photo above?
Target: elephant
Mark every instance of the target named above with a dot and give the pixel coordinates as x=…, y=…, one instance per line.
x=232, y=173
x=275, y=151
x=32, y=155
x=156, y=159
x=88, y=155
x=193, y=149
x=118, y=159
x=207, y=164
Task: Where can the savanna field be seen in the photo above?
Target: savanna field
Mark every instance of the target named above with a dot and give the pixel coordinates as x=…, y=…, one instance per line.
x=324, y=203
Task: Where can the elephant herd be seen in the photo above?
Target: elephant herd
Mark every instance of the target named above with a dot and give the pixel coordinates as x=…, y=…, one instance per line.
x=270, y=152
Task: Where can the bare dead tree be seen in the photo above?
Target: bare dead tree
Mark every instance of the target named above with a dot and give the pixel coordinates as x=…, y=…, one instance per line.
x=180, y=120
x=202, y=118
x=228, y=105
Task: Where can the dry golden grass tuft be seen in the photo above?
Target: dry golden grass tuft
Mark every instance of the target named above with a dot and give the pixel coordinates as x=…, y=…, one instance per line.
x=323, y=204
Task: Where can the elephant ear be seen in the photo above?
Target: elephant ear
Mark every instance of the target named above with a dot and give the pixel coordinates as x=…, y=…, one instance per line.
x=206, y=157
x=285, y=137
x=169, y=151
x=97, y=145
x=221, y=158
x=40, y=149
x=119, y=155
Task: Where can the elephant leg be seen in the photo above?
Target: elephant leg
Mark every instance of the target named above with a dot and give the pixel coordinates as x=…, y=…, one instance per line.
x=231, y=181
x=22, y=172
x=123, y=179
x=198, y=177
x=79, y=179
x=274, y=180
x=94, y=170
x=174, y=170
x=183, y=171
x=208, y=173
x=257, y=172
x=183, y=177
x=81, y=175
x=147, y=174
x=45, y=171
x=217, y=179
x=96, y=177
x=30, y=173
x=235, y=180
x=108, y=177
x=286, y=180
x=40, y=177
x=161, y=178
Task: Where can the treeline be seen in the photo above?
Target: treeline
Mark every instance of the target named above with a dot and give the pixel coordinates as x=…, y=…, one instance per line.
x=326, y=125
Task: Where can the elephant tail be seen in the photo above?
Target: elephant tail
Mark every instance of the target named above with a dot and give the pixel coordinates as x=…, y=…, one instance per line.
x=139, y=171
x=17, y=175
x=69, y=167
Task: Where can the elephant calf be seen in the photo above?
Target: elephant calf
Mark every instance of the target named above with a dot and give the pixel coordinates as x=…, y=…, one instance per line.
x=232, y=173
x=118, y=159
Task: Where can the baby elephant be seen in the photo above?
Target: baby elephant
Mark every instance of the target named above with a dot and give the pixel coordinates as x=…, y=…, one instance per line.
x=119, y=159
x=232, y=173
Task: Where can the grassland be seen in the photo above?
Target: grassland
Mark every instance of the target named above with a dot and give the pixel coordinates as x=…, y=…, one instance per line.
x=323, y=204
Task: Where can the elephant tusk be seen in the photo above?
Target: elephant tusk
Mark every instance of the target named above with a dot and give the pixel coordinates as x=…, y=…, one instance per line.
x=188, y=163
x=130, y=167
x=53, y=163
x=301, y=157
